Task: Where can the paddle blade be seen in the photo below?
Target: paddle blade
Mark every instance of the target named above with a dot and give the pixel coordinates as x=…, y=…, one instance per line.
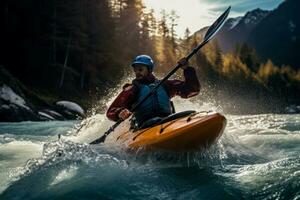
x=215, y=27
x=99, y=140
x=111, y=129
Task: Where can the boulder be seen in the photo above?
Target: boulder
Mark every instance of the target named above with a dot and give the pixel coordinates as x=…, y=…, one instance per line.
x=13, y=107
x=52, y=114
x=70, y=110
x=10, y=112
x=17, y=103
x=292, y=109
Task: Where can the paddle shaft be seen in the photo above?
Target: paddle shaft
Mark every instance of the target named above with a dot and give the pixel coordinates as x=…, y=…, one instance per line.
x=111, y=129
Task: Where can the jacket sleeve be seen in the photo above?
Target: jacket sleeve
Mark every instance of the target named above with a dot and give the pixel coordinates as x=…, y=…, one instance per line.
x=122, y=101
x=188, y=88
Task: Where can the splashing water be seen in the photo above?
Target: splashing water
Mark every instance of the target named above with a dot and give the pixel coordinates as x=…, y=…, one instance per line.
x=256, y=158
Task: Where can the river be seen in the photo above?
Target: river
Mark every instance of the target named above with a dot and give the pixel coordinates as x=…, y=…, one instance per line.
x=257, y=157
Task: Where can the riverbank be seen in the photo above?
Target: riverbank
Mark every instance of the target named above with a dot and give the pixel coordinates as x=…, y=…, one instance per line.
x=18, y=103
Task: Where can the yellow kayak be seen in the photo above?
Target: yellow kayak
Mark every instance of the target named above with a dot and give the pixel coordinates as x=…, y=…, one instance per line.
x=188, y=130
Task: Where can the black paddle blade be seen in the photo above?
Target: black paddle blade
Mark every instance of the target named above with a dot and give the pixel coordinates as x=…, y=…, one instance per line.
x=99, y=140
x=213, y=29
x=111, y=129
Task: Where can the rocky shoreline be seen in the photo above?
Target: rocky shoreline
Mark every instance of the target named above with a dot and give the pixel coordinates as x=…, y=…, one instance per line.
x=17, y=103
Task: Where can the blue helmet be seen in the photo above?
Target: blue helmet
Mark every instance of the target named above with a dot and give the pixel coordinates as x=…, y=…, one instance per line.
x=144, y=60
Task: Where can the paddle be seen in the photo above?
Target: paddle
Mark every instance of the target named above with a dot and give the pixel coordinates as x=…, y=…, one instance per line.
x=213, y=29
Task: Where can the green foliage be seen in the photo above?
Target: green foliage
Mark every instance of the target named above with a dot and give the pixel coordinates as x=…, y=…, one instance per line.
x=248, y=56
x=240, y=78
x=70, y=48
x=280, y=78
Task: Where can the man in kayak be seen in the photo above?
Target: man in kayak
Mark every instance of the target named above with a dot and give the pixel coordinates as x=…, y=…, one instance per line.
x=159, y=104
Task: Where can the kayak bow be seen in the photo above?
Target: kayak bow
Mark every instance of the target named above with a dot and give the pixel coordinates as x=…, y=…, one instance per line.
x=192, y=132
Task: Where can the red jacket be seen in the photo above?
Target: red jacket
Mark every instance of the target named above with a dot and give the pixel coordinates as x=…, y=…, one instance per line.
x=185, y=89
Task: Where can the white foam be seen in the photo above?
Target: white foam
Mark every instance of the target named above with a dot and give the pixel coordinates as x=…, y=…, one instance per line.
x=14, y=155
x=65, y=175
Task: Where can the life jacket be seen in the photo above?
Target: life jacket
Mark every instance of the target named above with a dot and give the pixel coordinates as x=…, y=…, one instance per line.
x=157, y=105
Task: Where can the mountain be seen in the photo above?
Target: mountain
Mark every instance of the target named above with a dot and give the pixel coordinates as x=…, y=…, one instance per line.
x=237, y=30
x=277, y=36
x=274, y=34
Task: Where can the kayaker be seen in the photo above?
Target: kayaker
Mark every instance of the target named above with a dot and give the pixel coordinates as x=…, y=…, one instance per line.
x=159, y=104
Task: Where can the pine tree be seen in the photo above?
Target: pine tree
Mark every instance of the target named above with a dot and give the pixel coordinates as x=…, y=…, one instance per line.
x=248, y=55
x=173, y=23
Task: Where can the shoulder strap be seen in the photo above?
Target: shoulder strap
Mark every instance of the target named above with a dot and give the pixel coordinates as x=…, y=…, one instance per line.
x=136, y=84
x=164, y=85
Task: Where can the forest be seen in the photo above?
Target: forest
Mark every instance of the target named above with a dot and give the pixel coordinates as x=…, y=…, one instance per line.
x=80, y=50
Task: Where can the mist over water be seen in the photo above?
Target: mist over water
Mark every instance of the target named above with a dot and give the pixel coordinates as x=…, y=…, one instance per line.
x=257, y=157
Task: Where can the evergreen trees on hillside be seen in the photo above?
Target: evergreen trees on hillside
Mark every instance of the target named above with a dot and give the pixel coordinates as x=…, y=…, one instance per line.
x=241, y=77
x=71, y=48
x=68, y=47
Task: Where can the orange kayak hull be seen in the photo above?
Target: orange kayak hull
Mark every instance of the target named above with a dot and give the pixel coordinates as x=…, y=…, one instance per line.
x=193, y=132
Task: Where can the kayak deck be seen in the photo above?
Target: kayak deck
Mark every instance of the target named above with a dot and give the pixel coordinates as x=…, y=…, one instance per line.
x=195, y=131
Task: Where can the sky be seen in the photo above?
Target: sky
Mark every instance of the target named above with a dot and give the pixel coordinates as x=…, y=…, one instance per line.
x=196, y=14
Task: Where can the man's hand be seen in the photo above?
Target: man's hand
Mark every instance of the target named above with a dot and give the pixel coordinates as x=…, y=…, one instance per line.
x=183, y=62
x=124, y=114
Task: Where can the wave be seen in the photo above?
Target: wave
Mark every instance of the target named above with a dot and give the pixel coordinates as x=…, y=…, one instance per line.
x=257, y=157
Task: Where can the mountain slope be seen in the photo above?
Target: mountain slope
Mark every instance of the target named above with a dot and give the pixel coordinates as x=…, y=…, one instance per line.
x=237, y=30
x=277, y=36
